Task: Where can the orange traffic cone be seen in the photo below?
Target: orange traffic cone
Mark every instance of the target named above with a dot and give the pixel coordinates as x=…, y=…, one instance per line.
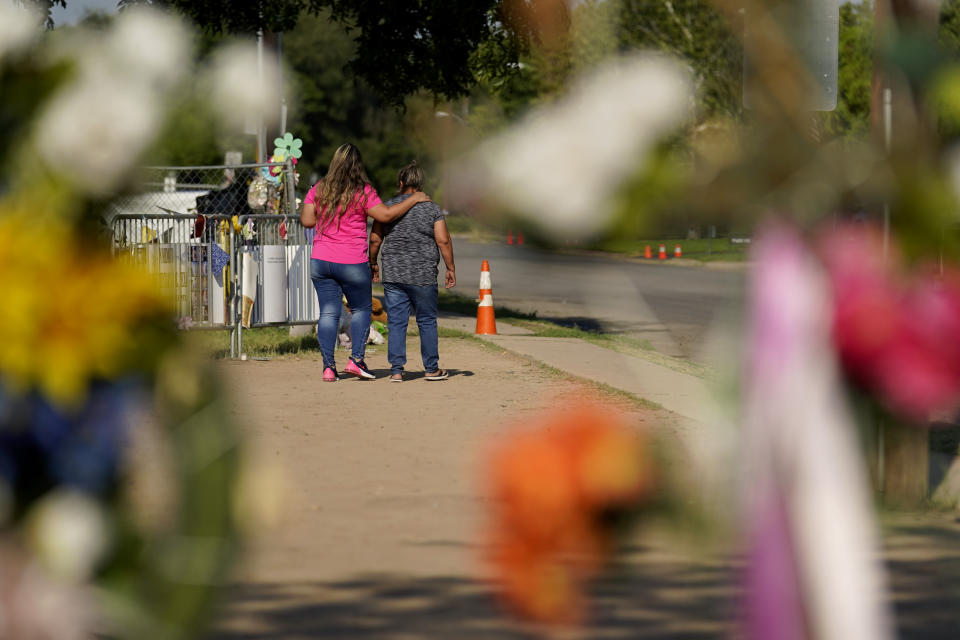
x=647, y=253
x=520, y=238
x=677, y=253
x=663, y=252
x=486, y=323
x=510, y=237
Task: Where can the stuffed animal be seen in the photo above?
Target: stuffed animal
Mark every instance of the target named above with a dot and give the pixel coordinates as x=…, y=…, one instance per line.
x=378, y=317
x=378, y=312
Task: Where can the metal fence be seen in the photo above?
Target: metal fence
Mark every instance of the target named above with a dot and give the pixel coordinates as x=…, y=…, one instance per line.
x=224, y=242
x=273, y=270
x=182, y=260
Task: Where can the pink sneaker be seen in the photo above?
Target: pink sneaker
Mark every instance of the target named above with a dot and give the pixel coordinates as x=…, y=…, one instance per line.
x=330, y=375
x=358, y=368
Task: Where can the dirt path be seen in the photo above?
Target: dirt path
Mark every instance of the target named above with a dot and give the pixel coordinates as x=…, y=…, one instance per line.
x=381, y=515
x=381, y=524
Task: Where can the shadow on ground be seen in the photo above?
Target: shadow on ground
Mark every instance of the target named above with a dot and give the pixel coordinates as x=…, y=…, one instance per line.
x=924, y=567
x=944, y=446
x=679, y=601
x=649, y=596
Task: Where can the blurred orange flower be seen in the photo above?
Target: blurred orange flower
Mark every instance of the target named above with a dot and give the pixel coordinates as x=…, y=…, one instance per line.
x=552, y=486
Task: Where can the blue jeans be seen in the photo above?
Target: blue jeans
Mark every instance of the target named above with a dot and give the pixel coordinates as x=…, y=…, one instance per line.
x=400, y=298
x=332, y=281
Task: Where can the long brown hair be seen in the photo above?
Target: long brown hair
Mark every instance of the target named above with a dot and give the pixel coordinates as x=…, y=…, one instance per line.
x=345, y=181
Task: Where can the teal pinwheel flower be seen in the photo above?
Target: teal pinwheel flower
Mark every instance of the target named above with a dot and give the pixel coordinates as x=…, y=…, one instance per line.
x=288, y=146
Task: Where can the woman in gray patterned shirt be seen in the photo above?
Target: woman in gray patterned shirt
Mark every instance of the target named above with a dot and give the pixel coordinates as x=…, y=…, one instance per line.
x=410, y=248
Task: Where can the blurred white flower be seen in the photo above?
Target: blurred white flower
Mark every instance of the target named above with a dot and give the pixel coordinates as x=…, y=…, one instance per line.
x=18, y=26
x=150, y=45
x=94, y=139
x=236, y=88
x=562, y=165
x=34, y=605
x=69, y=534
x=95, y=128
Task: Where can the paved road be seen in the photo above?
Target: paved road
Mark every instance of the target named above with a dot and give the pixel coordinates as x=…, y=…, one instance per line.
x=671, y=306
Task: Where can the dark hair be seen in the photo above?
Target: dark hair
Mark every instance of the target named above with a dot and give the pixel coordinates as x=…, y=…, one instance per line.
x=410, y=176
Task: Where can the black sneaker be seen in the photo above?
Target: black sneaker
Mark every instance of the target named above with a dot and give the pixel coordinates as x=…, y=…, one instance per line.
x=358, y=368
x=330, y=374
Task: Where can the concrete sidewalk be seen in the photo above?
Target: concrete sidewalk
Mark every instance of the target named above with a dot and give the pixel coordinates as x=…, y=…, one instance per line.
x=681, y=393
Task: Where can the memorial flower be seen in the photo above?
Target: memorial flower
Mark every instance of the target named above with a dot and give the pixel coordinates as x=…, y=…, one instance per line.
x=810, y=545
x=236, y=92
x=586, y=138
x=97, y=125
x=894, y=328
x=288, y=147
x=273, y=173
x=18, y=27
x=90, y=347
x=58, y=339
x=551, y=486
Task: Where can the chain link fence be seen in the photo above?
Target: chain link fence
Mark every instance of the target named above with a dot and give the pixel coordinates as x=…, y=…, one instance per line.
x=231, y=190
x=224, y=242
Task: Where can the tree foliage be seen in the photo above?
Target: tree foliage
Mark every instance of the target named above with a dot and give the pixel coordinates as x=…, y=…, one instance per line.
x=692, y=30
x=950, y=26
x=330, y=105
x=855, y=71
x=947, y=89
x=402, y=47
x=45, y=7
x=696, y=32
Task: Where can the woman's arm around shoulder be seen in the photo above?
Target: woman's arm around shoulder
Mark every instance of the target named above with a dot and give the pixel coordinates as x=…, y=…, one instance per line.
x=383, y=213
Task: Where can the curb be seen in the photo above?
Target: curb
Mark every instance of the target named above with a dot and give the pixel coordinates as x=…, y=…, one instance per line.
x=656, y=383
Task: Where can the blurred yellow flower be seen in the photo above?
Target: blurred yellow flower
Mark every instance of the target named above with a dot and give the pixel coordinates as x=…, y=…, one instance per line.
x=69, y=314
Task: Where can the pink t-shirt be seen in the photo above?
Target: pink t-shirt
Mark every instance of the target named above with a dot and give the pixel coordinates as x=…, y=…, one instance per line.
x=346, y=243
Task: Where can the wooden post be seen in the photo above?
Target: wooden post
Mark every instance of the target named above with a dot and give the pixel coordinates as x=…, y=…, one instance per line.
x=903, y=455
x=906, y=465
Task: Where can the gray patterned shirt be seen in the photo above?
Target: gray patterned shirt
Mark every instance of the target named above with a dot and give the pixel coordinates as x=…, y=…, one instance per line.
x=409, y=253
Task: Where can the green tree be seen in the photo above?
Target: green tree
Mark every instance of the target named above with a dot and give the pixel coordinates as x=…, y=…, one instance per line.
x=696, y=32
x=328, y=105
x=855, y=72
x=331, y=105
x=402, y=47
x=950, y=27
x=544, y=69
x=192, y=136
x=691, y=30
x=946, y=96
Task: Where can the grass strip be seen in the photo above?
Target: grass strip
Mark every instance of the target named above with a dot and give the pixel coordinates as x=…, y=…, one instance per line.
x=600, y=387
x=464, y=305
x=702, y=249
x=259, y=342
x=457, y=303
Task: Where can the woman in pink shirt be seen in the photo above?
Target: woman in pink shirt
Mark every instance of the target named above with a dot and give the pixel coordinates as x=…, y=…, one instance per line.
x=338, y=207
